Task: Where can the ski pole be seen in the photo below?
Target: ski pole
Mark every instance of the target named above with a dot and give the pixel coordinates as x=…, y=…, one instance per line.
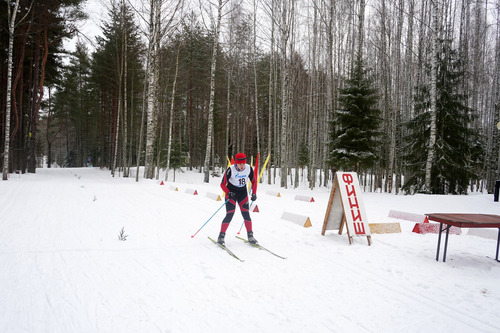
x=210, y=218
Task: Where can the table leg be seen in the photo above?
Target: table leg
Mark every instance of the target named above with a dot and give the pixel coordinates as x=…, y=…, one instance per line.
x=439, y=240
x=498, y=242
x=446, y=242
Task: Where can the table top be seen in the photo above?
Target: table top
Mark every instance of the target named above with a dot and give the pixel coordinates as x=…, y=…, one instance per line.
x=467, y=220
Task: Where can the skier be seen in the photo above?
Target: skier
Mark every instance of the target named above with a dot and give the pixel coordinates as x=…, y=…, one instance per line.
x=234, y=184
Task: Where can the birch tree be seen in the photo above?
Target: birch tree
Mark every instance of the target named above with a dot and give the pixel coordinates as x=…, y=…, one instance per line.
x=408, y=75
x=313, y=99
x=331, y=29
x=121, y=70
x=172, y=104
x=285, y=34
x=160, y=24
x=152, y=75
x=125, y=98
x=433, y=96
x=213, y=67
x=270, y=10
x=12, y=23
x=494, y=149
x=256, y=91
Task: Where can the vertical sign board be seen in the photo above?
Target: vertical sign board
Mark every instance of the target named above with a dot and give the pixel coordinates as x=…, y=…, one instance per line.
x=346, y=207
x=334, y=211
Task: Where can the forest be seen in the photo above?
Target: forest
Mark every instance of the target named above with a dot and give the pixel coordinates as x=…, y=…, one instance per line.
x=404, y=92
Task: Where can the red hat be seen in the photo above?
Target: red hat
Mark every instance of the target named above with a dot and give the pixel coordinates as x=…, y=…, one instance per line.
x=240, y=158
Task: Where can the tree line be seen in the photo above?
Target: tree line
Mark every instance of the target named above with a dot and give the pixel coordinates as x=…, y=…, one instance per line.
x=406, y=93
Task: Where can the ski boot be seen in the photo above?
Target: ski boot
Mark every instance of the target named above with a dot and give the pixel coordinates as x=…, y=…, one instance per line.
x=220, y=240
x=251, y=238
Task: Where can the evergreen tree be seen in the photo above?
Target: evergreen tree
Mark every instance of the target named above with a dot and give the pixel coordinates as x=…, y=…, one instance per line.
x=303, y=155
x=75, y=107
x=194, y=74
x=355, y=129
x=105, y=76
x=177, y=156
x=457, y=145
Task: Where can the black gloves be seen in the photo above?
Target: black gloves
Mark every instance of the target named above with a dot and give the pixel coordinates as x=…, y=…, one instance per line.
x=232, y=195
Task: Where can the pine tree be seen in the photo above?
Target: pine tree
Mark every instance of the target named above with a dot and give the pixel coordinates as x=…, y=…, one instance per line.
x=75, y=107
x=355, y=130
x=457, y=145
x=193, y=77
x=105, y=76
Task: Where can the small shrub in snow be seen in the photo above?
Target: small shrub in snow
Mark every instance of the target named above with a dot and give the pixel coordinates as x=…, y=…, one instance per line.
x=121, y=235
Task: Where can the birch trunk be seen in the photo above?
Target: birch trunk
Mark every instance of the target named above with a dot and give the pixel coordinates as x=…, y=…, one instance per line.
x=228, y=111
x=12, y=23
x=212, y=94
x=125, y=125
x=271, y=93
x=121, y=64
x=388, y=146
x=115, y=153
x=158, y=149
x=313, y=104
x=361, y=31
x=496, y=103
x=399, y=99
x=171, y=120
x=330, y=112
x=154, y=42
x=256, y=92
x=285, y=35
x=432, y=136
x=143, y=117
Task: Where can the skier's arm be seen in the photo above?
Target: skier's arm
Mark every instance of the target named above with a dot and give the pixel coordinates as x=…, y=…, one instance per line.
x=253, y=179
x=225, y=178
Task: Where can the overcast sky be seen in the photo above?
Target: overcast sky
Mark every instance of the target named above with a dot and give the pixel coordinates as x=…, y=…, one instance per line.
x=97, y=13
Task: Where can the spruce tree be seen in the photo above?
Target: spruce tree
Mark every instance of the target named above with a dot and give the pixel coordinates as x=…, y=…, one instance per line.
x=178, y=155
x=303, y=155
x=457, y=145
x=355, y=131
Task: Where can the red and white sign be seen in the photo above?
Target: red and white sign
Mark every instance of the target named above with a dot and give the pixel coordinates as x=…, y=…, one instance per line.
x=346, y=207
x=354, y=209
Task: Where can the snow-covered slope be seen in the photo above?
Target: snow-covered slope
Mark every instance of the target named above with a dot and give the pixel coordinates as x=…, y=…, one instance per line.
x=63, y=268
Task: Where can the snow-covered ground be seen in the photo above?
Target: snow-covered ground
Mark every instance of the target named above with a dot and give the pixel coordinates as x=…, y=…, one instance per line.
x=63, y=269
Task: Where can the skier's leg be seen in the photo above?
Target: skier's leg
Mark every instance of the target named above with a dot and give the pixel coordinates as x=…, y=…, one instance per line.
x=230, y=209
x=245, y=212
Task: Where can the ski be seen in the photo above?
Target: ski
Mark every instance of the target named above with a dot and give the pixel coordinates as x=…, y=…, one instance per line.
x=227, y=250
x=260, y=247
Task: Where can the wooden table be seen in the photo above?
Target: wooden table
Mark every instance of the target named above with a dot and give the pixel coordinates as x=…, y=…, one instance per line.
x=463, y=221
